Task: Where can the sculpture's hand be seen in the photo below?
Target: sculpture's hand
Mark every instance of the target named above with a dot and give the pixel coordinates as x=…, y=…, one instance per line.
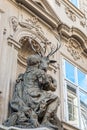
x=35, y=123
x=28, y=113
x=52, y=87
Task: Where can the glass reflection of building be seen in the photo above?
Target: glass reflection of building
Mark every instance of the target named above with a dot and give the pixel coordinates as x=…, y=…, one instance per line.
x=76, y=95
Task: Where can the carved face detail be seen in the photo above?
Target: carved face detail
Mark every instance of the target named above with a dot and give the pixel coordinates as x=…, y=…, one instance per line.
x=33, y=60
x=44, y=63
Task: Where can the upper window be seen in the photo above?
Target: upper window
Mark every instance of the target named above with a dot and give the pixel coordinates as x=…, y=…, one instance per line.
x=74, y=2
x=76, y=95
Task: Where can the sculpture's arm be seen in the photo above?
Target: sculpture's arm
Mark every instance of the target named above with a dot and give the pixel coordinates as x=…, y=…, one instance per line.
x=50, y=83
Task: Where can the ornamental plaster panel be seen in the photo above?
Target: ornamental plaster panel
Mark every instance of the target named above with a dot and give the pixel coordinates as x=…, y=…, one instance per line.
x=74, y=48
x=70, y=14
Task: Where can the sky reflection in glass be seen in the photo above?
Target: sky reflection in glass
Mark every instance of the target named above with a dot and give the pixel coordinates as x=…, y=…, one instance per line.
x=75, y=2
x=83, y=100
x=82, y=80
x=70, y=71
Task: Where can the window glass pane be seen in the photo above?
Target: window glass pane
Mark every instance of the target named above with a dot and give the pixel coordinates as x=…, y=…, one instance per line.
x=82, y=80
x=72, y=105
x=70, y=71
x=75, y=2
x=83, y=119
x=83, y=102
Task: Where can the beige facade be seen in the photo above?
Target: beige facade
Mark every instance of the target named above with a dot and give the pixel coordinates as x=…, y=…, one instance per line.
x=47, y=22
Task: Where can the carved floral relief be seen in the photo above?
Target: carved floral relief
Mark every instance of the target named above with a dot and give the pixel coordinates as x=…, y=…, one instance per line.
x=74, y=48
x=70, y=14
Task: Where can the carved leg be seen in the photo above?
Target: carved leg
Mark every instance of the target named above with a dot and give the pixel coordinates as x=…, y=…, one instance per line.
x=52, y=108
x=11, y=121
x=51, y=118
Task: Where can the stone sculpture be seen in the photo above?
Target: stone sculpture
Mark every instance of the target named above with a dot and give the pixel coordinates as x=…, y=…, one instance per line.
x=33, y=104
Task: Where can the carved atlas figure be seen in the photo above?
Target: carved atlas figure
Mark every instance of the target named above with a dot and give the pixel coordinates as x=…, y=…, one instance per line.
x=33, y=104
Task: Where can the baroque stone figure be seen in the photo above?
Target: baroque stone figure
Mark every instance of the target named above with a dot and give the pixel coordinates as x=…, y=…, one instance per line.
x=33, y=104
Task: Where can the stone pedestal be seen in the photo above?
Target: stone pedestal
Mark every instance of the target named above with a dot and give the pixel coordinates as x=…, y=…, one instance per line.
x=15, y=128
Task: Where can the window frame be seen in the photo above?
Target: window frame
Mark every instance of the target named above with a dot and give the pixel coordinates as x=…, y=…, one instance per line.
x=78, y=89
x=77, y=6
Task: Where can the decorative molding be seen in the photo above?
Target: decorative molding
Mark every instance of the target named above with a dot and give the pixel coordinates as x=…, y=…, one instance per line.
x=43, y=15
x=13, y=23
x=68, y=4
x=11, y=42
x=74, y=48
x=33, y=25
x=58, y=2
x=83, y=22
x=67, y=33
x=70, y=14
x=4, y=31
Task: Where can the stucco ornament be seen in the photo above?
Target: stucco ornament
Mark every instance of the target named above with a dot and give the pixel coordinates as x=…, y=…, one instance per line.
x=33, y=104
x=70, y=14
x=74, y=48
x=14, y=23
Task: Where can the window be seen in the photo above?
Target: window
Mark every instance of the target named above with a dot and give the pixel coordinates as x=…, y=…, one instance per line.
x=76, y=92
x=72, y=105
x=70, y=74
x=74, y=2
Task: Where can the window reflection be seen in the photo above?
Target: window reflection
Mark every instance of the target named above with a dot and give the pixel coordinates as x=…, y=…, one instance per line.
x=83, y=102
x=75, y=2
x=72, y=105
x=70, y=71
x=76, y=113
x=82, y=80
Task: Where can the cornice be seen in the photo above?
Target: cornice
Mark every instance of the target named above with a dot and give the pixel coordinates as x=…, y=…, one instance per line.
x=40, y=12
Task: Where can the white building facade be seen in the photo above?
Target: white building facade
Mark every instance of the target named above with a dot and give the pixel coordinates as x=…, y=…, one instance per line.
x=47, y=22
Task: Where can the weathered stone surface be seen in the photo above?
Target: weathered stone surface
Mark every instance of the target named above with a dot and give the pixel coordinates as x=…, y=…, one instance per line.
x=33, y=104
x=15, y=128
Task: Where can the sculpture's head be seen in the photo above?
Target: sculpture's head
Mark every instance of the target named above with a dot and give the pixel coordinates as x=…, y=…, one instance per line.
x=33, y=60
x=40, y=58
